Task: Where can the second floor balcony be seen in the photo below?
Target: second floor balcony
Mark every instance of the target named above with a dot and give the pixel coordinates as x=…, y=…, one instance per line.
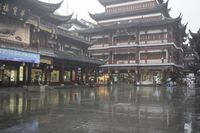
x=55, y=52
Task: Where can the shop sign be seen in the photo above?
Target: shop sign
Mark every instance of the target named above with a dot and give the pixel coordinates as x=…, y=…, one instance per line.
x=19, y=56
x=13, y=10
x=46, y=61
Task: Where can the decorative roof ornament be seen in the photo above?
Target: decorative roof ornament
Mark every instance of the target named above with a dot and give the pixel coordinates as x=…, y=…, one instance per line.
x=160, y=1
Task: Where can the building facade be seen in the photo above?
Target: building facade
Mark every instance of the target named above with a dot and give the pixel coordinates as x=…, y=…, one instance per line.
x=139, y=40
x=194, y=44
x=36, y=49
x=191, y=60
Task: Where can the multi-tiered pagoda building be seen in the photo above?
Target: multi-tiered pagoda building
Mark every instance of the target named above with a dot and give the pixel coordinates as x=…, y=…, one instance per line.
x=138, y=39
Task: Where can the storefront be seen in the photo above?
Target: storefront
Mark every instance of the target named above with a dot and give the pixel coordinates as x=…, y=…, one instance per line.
x=8, y=75
x=67, y=76
x=14, y=66
x=37, y=76
x=40, y=73
x=149, y=76
x=55, y=74
x=103, y=79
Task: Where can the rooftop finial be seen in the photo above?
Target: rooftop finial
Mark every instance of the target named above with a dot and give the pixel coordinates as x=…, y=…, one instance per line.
x=160, y=1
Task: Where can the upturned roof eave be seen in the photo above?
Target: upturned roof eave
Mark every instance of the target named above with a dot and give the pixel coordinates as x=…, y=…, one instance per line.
x=49, y=7
x=110, y=2
x=57, y=19
x=38, y=7
x=163, y=8
x=194, y=34
x=84, y=43
x=131, y=25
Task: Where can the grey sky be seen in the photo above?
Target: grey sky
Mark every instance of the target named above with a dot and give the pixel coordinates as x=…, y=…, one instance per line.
x=189, y=8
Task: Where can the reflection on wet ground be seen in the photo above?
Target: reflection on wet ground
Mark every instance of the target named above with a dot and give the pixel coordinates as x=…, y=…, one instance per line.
x=117, y=109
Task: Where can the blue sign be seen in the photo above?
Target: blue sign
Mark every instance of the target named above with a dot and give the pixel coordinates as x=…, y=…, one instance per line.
x=19, y=56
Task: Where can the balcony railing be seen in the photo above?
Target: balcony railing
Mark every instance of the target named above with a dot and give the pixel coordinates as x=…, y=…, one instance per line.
x=154, y=61
x=124, y=42
x=70, y=55
x=123, y=62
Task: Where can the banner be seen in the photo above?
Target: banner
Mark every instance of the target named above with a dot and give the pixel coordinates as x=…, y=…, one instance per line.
x=19, y=56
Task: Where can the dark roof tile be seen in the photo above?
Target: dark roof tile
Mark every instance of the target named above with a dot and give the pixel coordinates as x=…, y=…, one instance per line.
x=159, y=8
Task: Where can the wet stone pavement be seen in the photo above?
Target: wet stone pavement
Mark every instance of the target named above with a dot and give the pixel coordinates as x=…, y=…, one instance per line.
x=117, y=109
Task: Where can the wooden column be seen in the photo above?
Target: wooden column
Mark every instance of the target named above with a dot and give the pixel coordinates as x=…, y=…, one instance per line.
x=146, y=36
x=49, y=76
x=96, y=74
x=146, y=57
x=29, y=74
x=111, y=40
x=137, y=48
x=87, y=74
x=172, y=54
x=71, y=76
x=24, y=75
x=82, y=73
x=18, y=82
x=163, y=37
x=163, y=58
x=137, y=56
x=110, y=57
x=76, y=75
x=62, y=71
x=169, y=55
x=46, y=75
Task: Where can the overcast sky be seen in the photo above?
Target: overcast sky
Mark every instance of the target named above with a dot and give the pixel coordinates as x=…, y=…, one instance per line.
x=189, y=8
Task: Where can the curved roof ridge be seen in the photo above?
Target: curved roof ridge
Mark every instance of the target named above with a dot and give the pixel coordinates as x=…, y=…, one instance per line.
x=194, y=34
x=130, y=25
x=57, y=19
x=49, y=6
x=102, y=16
x=40, y=7
x=179, y=18
x=109, y=2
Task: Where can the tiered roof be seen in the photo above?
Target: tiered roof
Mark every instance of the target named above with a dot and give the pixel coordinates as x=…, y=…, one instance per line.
x=42, y=9
x=74, y=39
x=112, y=2
x=81, y=24
x=38, y=6
x=57, y=19
x=159, y=8
x=165, y=21
x=109, y=2
x=195, y=35
x=195, y=41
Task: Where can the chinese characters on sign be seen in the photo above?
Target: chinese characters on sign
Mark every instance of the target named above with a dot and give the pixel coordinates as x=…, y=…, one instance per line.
x=12, y=10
